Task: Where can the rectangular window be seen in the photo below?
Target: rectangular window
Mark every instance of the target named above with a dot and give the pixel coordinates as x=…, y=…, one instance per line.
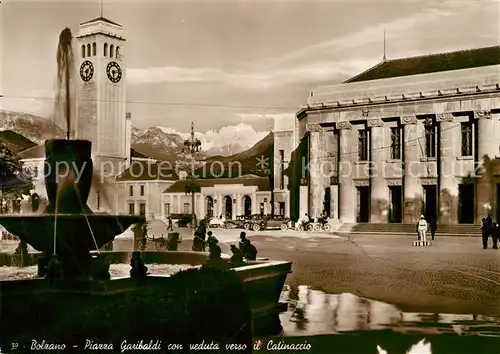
x=167, y=209
x=363, y=145
x=430, y=140
x=131, y=209
x=396, y=143
x=131, y=191
x=186, y=208
x=282, y=169
x=467, y=138
x=142, y=209
x=142, y=191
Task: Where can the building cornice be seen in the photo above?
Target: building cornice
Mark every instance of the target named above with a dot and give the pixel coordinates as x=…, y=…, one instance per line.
x=415, y=88
x=307, y=109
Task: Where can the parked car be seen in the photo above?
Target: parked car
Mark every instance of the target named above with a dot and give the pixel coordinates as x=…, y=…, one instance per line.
x=255, y=223
x=276, y=222
x=181, y=220
x=216, y=222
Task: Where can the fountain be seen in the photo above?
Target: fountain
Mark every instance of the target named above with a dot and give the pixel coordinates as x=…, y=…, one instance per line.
x=69, y=231
x=68, y=228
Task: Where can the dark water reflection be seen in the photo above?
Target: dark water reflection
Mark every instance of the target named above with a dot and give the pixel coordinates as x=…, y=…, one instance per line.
x=313, y=312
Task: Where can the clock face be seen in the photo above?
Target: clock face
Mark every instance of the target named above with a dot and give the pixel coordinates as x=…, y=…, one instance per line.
x=114, y=72
x=86, y=71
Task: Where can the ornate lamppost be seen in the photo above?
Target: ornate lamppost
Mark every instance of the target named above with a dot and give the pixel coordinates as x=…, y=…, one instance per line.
x=192, y=147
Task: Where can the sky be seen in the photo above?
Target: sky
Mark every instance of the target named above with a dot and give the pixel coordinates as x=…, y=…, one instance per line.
x=221, y=63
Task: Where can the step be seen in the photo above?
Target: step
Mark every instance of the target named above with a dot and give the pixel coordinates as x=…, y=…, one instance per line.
x=468, y=229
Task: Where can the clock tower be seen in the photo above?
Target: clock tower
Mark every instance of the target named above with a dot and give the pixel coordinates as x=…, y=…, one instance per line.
x=102, y=100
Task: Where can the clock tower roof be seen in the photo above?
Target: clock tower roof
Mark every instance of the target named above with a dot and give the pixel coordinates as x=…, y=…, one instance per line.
x=102, y=26
x=101, y=19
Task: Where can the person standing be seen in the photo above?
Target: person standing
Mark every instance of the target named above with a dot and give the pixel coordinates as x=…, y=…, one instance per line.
x=422, y=228
x=495, y=235
x=433, y=227
x=485, y=232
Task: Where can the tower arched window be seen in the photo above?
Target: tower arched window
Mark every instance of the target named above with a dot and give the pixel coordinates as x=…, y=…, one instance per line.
x=117, y=52
x=111, y=51
x=89, y=53
x=83, y=50
x=105, y=49
x=94, y=49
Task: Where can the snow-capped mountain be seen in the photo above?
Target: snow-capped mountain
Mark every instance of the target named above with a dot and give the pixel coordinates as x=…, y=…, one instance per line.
x=159, y=142
x=227, y=141
x=36, y=129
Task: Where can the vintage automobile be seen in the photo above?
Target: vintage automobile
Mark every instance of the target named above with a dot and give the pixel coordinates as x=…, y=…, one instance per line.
x=216, y=222
x=276, y=222
x=181, y=220
x=235, y=224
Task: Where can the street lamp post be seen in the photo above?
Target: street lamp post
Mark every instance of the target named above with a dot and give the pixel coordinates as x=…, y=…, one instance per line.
x=192, y=147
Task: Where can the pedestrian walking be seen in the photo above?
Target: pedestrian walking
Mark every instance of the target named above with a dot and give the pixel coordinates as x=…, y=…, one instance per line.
x=433, y=227
x=422, y=228
x=170, y=226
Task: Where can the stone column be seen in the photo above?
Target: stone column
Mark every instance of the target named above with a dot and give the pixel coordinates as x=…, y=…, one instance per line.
x=317, y=154
x=378, y=184
x=347, y=155
x=238, y=205
x=201, y=207
x=448, y=191
x=413, y=198
x=488, y=145
x=255, y=205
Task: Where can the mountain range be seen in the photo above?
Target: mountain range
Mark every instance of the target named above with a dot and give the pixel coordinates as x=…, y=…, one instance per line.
x=161, y=143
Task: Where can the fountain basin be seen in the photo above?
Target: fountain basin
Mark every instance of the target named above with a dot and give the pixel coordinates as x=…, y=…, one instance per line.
x=73, y=231
x=263, y=282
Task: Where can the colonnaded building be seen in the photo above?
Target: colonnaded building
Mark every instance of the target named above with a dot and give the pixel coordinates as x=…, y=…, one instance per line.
x=404, y=138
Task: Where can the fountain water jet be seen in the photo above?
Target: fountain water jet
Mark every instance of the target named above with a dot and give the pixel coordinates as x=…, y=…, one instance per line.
x=68, y=228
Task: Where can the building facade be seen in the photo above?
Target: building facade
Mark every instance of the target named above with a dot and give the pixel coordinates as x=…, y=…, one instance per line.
x=231, y=197
x=404, y=138
x=284, y=145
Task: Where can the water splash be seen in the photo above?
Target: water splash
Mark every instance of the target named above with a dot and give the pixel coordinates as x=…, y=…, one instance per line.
x=65, y=69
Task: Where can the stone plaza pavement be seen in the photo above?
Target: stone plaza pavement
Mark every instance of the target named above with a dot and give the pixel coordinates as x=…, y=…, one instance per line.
x=455, y=275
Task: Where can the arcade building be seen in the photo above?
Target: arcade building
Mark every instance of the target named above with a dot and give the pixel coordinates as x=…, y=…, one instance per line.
x=406, y=137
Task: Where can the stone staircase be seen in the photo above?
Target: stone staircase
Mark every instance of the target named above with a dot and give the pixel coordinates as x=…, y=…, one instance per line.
x=403, y=229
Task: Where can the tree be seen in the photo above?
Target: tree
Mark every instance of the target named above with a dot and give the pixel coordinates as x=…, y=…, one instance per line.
x=14, y=179
x=13, y=176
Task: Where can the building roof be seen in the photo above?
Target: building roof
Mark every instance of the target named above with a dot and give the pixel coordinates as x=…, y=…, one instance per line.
x=36, y=152
x=139, y=155
x=149, y=171
x=426, y=64
x=103, y=19
x=262, y=183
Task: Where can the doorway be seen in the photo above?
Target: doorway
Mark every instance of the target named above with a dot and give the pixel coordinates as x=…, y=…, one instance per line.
x=466, y=204
x=430, y=202
x=247, y=205
x=326, y=202
x=396, y=204
x=363, y=204
x=282, y=208
x=228, y=202
x=210, y=206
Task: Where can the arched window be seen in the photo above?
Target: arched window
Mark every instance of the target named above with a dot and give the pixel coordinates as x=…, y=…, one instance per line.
x=105, y=49
x=94, y=49
x=88, y=50
x=111, y=51
x=83, y=50
x=117, y=52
